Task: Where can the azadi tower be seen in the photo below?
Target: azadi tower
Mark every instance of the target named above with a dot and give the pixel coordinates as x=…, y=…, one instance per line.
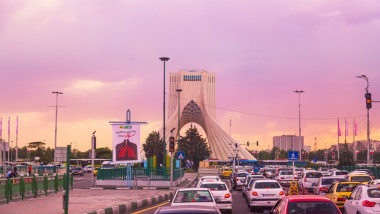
x=197, y=105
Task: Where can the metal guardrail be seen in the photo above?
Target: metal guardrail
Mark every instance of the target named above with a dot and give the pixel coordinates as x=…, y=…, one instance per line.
x=158, y=174
x=17, y=187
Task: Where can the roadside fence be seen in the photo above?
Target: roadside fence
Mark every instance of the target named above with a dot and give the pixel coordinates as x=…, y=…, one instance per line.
x=14, y=188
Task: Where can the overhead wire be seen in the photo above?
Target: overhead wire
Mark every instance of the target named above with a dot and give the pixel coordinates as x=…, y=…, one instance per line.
x=269, y=116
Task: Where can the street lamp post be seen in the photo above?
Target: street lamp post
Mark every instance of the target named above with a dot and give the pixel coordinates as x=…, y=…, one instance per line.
x=366, y=89
x=299, y=116
x=56, y=117
x=164, y=59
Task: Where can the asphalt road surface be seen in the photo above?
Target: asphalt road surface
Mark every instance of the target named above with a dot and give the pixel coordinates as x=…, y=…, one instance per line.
x=239, y=206
x=81, y=182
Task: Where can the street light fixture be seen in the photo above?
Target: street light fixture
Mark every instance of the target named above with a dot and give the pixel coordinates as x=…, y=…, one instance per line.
x=299, y=116
x=164, y=59
x=56, y=117
x=366, y=89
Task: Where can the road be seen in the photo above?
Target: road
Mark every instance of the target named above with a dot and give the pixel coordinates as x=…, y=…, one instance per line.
x=239, y=205
x=81, y=182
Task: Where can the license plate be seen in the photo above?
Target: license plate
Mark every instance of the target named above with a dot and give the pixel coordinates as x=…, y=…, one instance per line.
x=268, y=195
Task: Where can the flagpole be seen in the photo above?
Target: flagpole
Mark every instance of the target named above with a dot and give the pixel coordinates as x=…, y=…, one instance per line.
x=16, y=148
x=9, y=138
x=338, y=140
x=345, y=130
x=353, y=138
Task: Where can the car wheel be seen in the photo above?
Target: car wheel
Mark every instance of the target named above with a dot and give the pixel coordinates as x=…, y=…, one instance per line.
x=253, y=209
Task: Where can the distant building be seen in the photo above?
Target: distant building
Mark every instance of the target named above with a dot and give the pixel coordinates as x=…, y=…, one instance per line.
x=307, y=148
x=289, y=142
x=361, y=145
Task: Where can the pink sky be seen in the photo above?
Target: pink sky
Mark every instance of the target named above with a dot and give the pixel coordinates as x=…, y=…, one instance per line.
x=103, y=56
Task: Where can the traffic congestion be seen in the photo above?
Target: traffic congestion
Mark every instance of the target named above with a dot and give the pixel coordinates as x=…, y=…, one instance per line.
x=278, y=189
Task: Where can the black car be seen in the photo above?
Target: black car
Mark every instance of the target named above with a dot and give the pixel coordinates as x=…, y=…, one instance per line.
x=78, y=171
x=188, y=209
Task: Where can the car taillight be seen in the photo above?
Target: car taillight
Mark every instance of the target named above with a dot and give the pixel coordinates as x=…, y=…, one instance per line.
x=255, y=194
x=227, y=195
x=368, y=203
x=322, y=189
x=212, y=189
x=304, y=180
x=237, y=179
x=282, y=178
x=341, y=199
x=281, y=193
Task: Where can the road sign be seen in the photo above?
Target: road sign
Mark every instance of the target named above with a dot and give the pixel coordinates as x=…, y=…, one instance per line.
x=180, y=156
x=60, y=154
x=293, y=155
x=315, y=160
x=293, y=189
x=333, y=155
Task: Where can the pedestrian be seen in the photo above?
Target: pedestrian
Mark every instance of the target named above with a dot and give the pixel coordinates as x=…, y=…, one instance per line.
x=30, y=170
x=11, y=174
x=234, y=174
x=15, y=170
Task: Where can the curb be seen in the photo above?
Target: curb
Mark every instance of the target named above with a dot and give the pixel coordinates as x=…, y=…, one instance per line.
x=124, y=208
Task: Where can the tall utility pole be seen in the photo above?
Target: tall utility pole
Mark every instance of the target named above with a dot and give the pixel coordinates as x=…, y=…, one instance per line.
x=299, y=117
x=56, y=118
x=366, y=89
x=179, y=116
x=164, y=59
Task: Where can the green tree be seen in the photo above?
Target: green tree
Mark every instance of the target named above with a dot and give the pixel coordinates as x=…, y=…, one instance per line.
x=195, y=146
x=103, y=153
x=36, y=145
x=263, y=155
x=346, y=156
x=154, y=145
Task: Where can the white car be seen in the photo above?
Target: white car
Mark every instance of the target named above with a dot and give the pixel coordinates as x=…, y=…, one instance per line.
x=87, y=169
x=324, y=171
x=240, y=179
x=194, y=197
x=207, y=179
x=222, y=195
x=364, y=199
x=247, y=181
x=264, y=194
x=285, y=177
x=324, y=183
x=308, y=179
x=373, y=182
x=338, y=173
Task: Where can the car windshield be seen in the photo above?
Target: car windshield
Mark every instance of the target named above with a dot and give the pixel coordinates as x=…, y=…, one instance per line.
x=313, y=175
x=77, y=168
x=345, y=187
x=361, y=178
x=241, y=175
x=312, y=207
x=374, y=193
x=190, y=196
x=340, y=173
x=328, y=181
x=227, y=170
x=267, y=185
x=286, y=173
x=270, y=170
x=214, y=186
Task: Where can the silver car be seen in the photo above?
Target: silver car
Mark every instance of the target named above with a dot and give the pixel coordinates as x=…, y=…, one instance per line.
x=323, y=184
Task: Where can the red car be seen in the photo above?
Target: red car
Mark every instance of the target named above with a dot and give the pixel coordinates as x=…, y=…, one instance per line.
x=310, y=204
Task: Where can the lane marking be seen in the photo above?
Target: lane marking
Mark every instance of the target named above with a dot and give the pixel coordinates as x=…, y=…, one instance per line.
x=150, y=208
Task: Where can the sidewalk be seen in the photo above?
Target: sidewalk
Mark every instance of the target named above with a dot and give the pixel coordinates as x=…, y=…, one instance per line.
x=92, y=200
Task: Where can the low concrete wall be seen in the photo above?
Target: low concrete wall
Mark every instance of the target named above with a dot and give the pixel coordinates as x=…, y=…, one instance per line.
x=123, y=183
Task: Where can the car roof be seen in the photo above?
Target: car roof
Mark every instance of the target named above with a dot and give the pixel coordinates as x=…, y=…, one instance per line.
x=188, y=209
x=192, y=189
x=293, y=198
x=213, y=182
x=359, y=175
x=266, y=180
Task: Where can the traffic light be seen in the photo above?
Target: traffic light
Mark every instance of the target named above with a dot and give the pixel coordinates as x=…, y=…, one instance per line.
x=247, y=143
x=236, y=145
x=368, y=100
x=171, y=144
x=257, y=142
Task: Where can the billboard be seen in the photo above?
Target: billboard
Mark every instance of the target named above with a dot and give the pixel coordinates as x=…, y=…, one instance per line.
x=126, y=143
